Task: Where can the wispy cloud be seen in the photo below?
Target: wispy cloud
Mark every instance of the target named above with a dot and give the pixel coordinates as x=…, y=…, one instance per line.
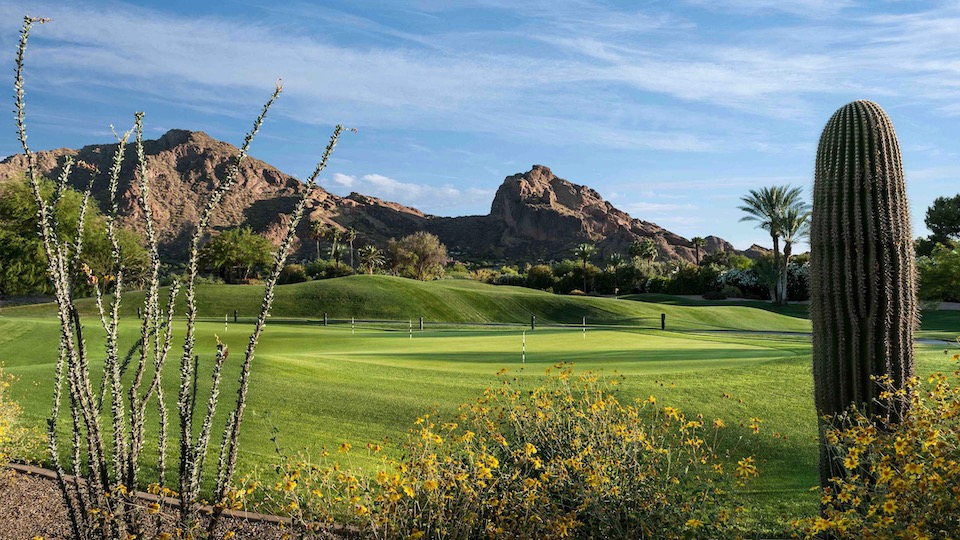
x=443, y=200
x=433, y=82
x=805, y=8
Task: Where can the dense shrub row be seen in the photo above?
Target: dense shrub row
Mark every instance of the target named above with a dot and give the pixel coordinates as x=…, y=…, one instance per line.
x=719, y=276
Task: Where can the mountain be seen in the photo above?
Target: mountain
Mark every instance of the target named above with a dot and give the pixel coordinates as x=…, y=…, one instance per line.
x=534, y=215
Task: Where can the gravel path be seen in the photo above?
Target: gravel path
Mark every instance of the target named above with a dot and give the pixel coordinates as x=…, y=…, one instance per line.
x=31, y=506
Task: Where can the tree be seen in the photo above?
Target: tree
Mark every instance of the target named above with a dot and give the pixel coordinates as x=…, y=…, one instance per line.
x=371, y=259
x=584, y=252
x=794, y=225
x=23, y=263
x=336, y=253
x=540, y=276
x=335, y=235
x=351, y=235
x=940, y=274
x=318, y=232
x=698, y=242
x=419, y=255
x=234, y=253
x=943, y=218
x=616, y=262
x=645, y=249
x=767, y=207
x=767, y=271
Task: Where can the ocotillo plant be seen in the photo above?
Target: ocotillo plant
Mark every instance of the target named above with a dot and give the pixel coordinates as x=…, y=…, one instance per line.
x=108, y=427
x=863, y=302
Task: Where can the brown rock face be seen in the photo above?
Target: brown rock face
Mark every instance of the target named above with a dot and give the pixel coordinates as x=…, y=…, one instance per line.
x=534, y=215
x=537, y=215
x=184, y=169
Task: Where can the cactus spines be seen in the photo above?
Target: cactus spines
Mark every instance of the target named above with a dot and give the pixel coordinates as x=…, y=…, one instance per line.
x=863, y=303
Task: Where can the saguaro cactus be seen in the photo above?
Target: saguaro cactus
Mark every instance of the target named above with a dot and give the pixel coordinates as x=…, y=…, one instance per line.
x=863, y=302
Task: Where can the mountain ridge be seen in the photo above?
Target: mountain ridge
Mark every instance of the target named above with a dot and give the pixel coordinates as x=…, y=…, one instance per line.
x=534, y=215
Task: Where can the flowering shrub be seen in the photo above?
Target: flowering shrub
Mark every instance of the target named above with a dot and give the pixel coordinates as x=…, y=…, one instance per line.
x=902, y=478
x=564, y=460
x=16, y=441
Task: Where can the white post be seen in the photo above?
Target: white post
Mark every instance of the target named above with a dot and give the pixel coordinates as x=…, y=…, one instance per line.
x=584, y=328
x=523, y=348
x=224, y=322
x=353, y=324
x=411, y=328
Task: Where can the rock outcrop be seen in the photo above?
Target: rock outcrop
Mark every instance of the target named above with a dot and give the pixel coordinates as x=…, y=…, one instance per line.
x=534, y=215
x=537, y=215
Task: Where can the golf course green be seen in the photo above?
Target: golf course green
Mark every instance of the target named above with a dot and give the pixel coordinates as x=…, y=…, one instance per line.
x=316, y=385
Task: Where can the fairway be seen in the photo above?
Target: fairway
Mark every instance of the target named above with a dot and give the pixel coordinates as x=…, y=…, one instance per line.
x=324, y=385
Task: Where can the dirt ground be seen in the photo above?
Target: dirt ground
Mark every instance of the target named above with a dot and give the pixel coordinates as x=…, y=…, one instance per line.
x=31, y=506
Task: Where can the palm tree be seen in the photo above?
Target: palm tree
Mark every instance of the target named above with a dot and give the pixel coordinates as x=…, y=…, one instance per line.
x=351, y=235
x=616, y=262
x=317, y=233
x=584, y=252
x=335, y=235
x=794, y=225
x=767, y=207
x=768, y=273
x=698, y=242
x=336, y=254
x=645, y=249
x=371, y=258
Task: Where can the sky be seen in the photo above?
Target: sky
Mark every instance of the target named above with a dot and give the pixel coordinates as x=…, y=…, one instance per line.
x=671, y=110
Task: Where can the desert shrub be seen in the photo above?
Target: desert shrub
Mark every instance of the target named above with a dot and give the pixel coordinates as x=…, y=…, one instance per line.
x=511, y=279
x=901, y=478
x=570, y=276
x=200, y=279
x=731, y=292
x=746, y=280
x=564, y=460
x=656, y=284
x=323, y=269
x=317, y=268
x=692, y=279
x=292, y=273
x=484, y=275
x=17, y=442
x=798, y=281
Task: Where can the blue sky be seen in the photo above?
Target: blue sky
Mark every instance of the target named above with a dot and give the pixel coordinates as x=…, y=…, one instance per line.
x=672, y=110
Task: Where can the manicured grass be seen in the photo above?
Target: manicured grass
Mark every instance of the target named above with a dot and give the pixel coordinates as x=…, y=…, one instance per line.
x=320, y=386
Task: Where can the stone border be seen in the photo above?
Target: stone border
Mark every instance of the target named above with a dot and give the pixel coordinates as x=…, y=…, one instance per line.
x=343, y=531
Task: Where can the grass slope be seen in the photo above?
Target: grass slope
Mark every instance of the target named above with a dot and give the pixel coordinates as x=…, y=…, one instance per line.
x=387, y=297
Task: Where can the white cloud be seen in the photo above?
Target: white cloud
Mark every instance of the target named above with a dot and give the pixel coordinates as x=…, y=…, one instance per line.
x=806, y=8
x=639, y=209
x=441, y=200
